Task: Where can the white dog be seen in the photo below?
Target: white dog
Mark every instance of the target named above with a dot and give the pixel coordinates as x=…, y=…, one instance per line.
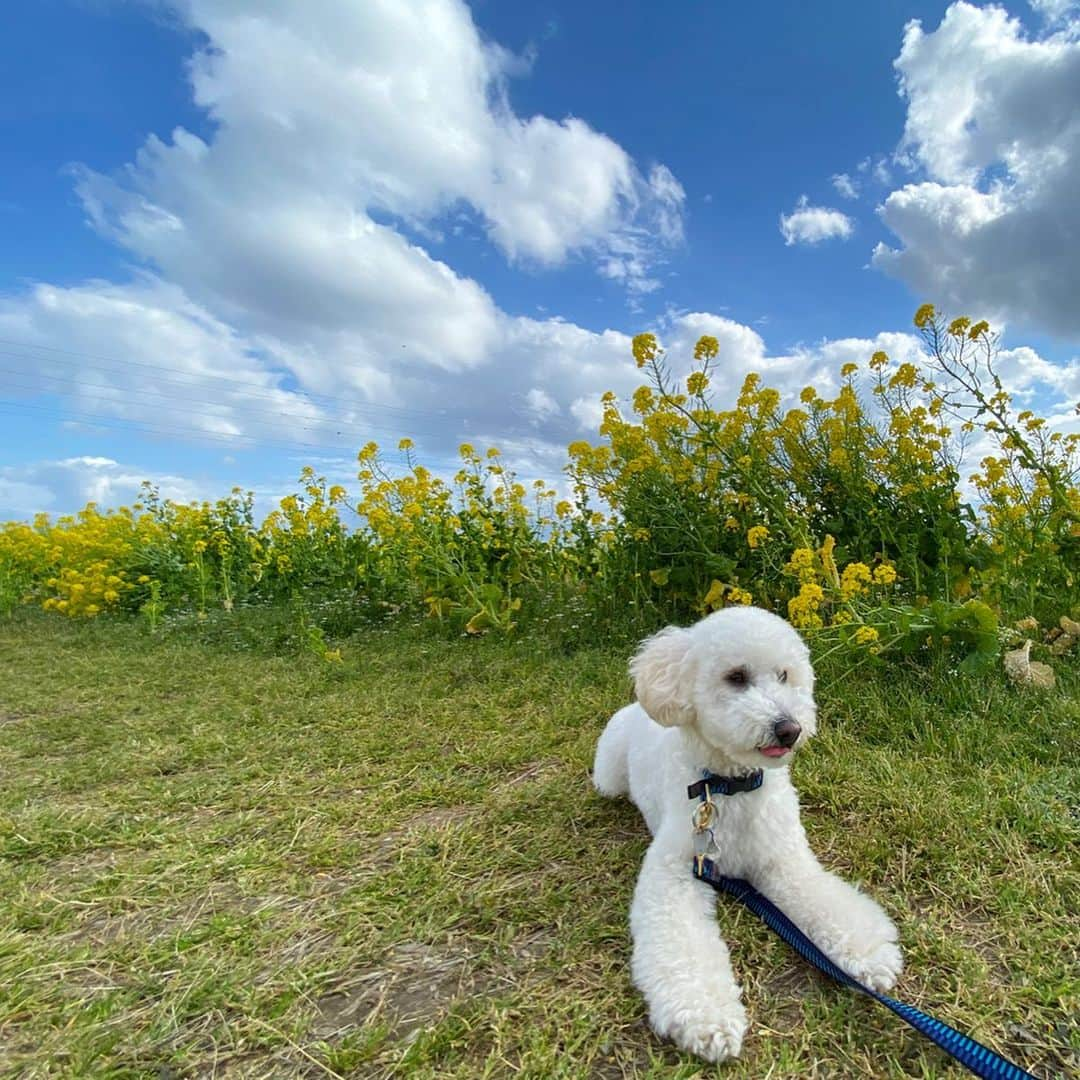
x=729, y=695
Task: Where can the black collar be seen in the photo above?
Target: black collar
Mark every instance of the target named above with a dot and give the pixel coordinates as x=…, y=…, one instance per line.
x=725, y=785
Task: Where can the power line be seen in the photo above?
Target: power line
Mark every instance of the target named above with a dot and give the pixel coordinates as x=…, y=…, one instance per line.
x=153, y=398
x=355, y=431
x=238, y=442
x=245, y=442
x=248, y=388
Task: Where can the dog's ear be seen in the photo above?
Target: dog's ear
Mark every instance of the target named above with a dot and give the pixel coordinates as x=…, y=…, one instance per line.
x=660, y=677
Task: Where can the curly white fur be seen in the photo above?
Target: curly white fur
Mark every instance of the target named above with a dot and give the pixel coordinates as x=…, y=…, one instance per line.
x=711, y=697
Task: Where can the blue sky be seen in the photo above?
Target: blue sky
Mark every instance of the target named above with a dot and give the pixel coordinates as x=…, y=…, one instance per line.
x=239, y=236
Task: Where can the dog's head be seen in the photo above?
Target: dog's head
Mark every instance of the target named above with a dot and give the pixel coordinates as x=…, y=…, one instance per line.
x=741, y=678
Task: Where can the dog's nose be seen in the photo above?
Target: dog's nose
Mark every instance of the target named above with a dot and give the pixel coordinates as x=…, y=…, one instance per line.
x=787, y=731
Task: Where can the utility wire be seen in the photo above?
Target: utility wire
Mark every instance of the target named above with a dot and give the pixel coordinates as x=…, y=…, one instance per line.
x=168, y=403
x=241, y=442
x=69, y=356
x=237, y=442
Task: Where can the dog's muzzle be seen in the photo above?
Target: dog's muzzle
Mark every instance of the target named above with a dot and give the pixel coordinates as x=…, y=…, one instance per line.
x=787, y=732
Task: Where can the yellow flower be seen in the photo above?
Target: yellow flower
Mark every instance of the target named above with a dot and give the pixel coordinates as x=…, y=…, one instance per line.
x=925, y=316
x=827, y=561
x=644, y=348
x=801, y=564
x=848, y=369
x=707, y=348
x=854, y=579
x=907, y=376
x=802, y=557
x=405, y=444
x=865, y=635
x=885, y=574
x=714, y=598
x=808, y=395
x=755, y=535
x=200, y=546
x=803, y=609
x=720, y=594
x=697, y=382
x=879, y=360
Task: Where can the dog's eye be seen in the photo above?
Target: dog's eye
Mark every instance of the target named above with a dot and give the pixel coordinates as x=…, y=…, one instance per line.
x=782, y=676
x=738, y=677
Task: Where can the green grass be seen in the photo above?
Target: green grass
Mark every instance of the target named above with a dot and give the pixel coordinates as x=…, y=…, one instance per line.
x=228, y=862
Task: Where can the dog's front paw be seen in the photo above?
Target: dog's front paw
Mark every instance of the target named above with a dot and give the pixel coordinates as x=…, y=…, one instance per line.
x=877, y=968
x=711, y=1034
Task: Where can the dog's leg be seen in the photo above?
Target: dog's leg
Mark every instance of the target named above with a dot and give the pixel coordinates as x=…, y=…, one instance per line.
x=846, y=924
x=610, y=766
x=680, y=962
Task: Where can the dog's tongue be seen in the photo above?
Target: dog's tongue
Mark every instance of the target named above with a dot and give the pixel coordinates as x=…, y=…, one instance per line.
x=774, y=751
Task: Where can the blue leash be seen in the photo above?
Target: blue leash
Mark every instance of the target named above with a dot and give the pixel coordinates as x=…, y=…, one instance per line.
x=979, y=1059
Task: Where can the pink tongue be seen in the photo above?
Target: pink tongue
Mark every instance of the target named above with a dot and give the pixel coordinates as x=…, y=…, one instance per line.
x=774, y=751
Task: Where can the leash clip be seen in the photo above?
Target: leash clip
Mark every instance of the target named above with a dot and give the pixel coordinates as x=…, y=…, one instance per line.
x=702, y=819
x=704, y=815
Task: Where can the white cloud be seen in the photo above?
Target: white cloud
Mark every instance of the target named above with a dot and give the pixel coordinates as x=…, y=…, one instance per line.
x=587, y=411
x=993, y=122
x=22, y=499
x=289, y=249
x=845, y=185
x=327, y=114
x=1026, y=374
x=289, y=296
x=144, y=353
x=667, y=209
x=65, y=485
x=541, y=405
x=296, y=294
x=570, y=368
x=808, y=224
x=876, y=167
x=1056, y=12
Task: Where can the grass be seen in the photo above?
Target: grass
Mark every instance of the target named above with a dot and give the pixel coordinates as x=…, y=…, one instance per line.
x=231, y=862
